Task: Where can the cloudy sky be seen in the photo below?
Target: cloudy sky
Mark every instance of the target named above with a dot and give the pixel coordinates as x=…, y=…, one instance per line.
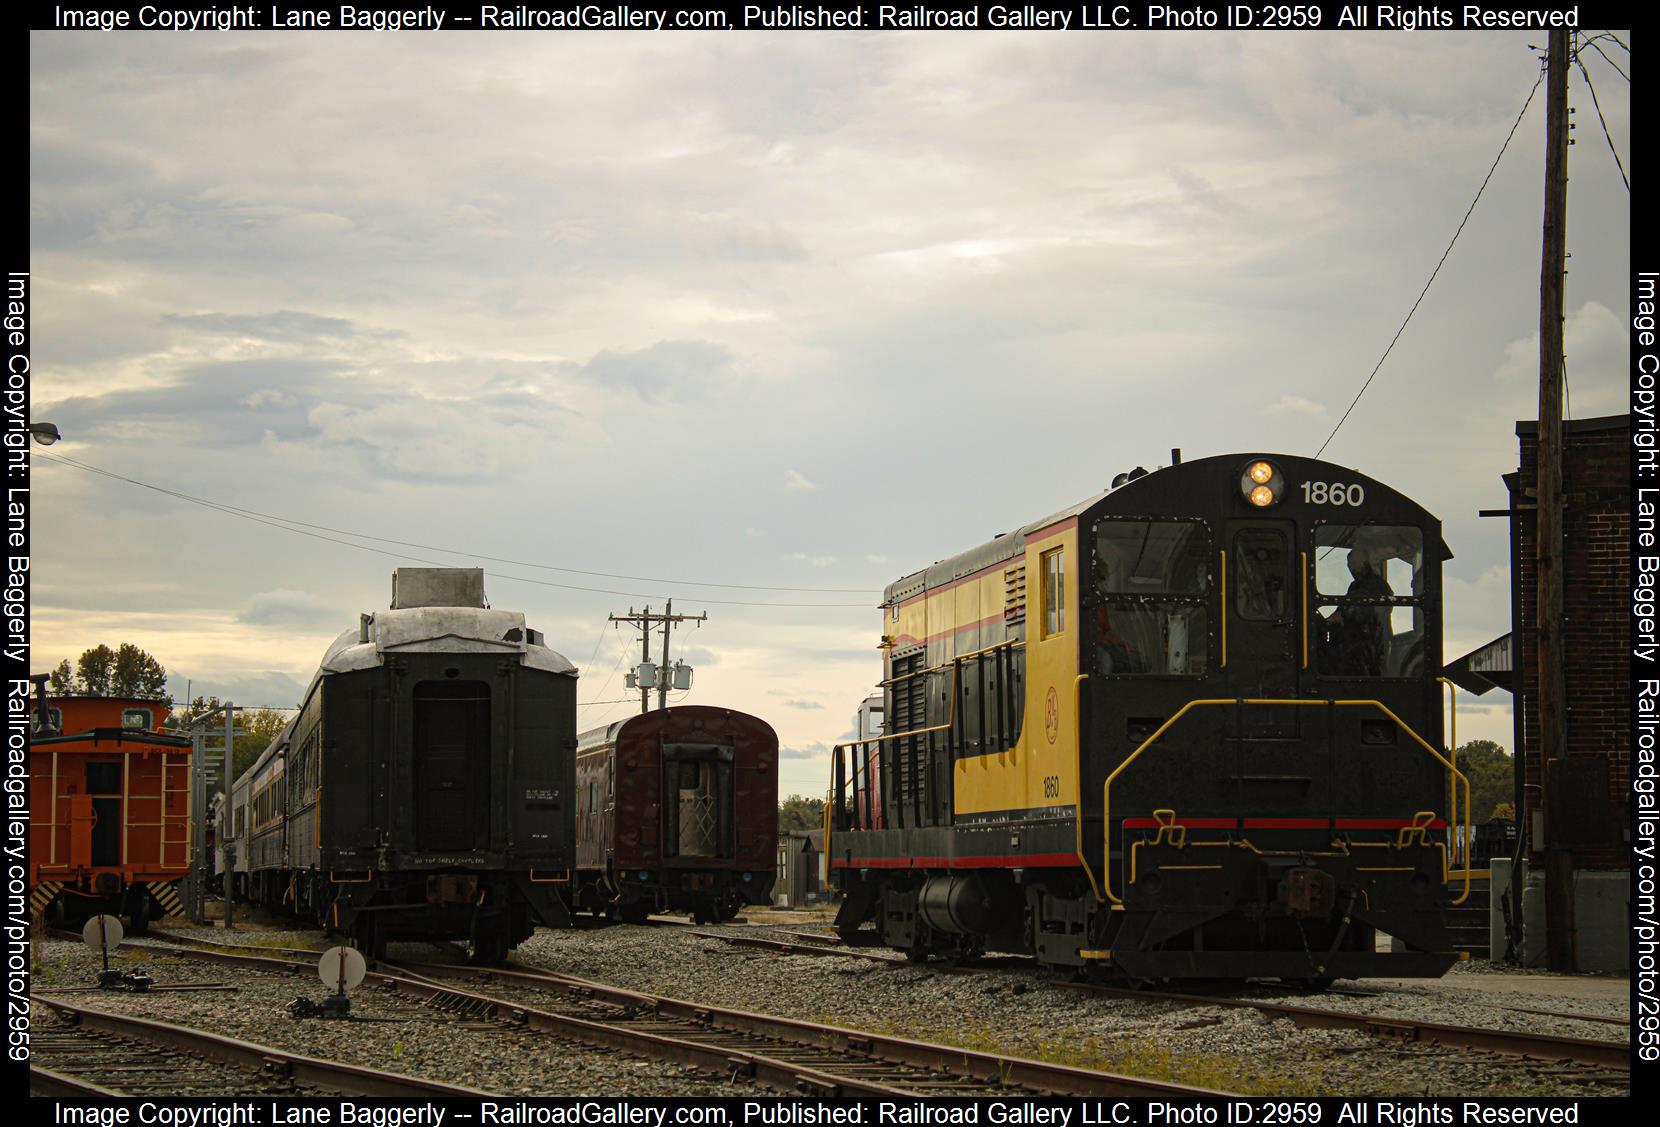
x=797, y=312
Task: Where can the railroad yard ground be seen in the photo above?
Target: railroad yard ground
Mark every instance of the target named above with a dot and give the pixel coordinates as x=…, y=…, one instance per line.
x=1002, y=1005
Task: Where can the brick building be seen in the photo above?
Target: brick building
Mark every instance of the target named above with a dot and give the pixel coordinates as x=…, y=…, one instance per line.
x=1590, y=802
x=1582, y=802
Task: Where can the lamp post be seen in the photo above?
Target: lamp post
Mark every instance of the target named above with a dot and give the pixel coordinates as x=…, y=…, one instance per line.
x=44, y=433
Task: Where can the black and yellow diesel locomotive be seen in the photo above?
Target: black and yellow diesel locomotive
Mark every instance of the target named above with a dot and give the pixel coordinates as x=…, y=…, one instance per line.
x=1188, y=728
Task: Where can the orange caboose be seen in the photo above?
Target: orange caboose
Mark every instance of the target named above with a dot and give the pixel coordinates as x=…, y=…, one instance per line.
x=110, y=799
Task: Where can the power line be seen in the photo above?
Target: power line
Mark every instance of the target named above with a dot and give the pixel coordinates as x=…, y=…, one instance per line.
x=1588, y=85
x=1592, y=44
x=300, y=528
x=1378, y=367
x=622, y=652
x=226, y=507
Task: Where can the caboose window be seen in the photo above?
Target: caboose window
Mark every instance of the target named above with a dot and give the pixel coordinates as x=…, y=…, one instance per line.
x=1054, y=592
x=135, y=718
x=1149, y=580
x=1370, y=583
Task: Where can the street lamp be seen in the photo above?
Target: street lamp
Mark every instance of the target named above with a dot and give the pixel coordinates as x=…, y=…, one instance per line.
x=44, y=433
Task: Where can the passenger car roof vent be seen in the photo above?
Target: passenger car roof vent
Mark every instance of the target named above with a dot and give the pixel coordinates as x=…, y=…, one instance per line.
x=438, y=587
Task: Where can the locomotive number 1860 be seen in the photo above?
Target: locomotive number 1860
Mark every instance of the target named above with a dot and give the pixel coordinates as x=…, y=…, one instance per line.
x=1333, y=493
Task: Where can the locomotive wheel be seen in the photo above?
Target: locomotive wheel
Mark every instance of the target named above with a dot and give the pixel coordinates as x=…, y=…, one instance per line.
x=138, y=916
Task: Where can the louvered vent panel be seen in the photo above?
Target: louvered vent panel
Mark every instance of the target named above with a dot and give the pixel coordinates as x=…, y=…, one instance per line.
x=1014, y=592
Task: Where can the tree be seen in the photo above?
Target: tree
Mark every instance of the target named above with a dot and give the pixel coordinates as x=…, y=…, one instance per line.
x=1492, y=774
x=798, y=813
x=93, y=671
x=63, y=679
x=136, y=674
x=262, y=726
x=103, y=672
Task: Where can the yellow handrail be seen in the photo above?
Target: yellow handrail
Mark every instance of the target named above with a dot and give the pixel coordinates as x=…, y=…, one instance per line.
x=1224, y=664
x=1078, y=767
x=1305, y=610
x=950, y=720
x=1452, y=745
x=982, y=651
x=828, y=817
x=1106, y=785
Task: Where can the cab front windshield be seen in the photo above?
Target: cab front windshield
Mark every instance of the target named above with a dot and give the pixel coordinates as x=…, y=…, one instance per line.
x=1150, y=580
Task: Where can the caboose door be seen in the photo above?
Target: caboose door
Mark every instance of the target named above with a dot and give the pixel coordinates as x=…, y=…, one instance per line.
x=103, y=785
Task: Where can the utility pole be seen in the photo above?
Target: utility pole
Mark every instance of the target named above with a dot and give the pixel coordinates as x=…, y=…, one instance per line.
x=200, y=754
x=1552, y=686
x=647, y=676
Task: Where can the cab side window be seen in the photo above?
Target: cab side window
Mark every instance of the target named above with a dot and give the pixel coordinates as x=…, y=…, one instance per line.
x=1054, y=592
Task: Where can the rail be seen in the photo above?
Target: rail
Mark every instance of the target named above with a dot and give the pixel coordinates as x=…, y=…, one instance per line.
x=1106, y=786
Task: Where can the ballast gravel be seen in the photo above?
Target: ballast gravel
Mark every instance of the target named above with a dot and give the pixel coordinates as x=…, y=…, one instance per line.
x=1007, y=1005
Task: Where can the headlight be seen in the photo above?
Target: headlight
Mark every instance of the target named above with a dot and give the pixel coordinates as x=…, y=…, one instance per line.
x=1262, y=484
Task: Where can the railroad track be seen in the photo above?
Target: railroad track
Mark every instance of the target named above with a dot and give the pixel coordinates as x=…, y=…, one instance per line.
x=798, y=1056
x=1536, y=1046
x=93, y=1052
x=795, y=1057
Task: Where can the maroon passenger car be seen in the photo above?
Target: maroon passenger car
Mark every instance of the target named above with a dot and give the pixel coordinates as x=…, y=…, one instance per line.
x=677, y=810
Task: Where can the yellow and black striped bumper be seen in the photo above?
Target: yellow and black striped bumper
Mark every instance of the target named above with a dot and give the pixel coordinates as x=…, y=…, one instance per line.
x=42, y=895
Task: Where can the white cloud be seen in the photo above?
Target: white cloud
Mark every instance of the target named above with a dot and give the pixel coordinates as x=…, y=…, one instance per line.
x=817, y=750
x=1295, y=405
x=793, y=480
x=286, y=606
x=1595, y=342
